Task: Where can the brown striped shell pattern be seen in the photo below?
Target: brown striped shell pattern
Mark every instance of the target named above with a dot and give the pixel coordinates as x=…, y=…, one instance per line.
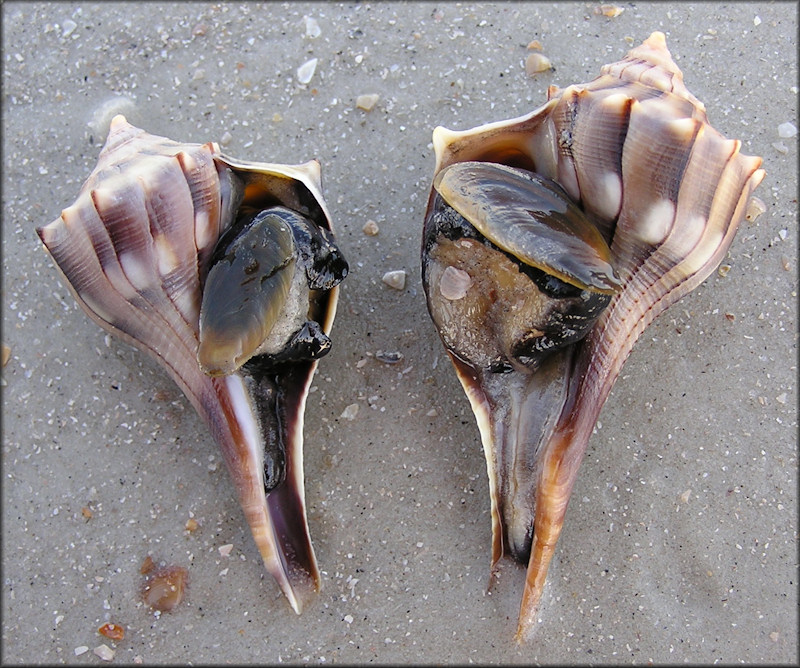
x=550, y=242
x=226, y=273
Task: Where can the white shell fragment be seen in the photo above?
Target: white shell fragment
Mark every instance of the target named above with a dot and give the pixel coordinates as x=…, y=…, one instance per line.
x=312, y=27
x=350, y=411
x=104, y=652
x=370, y=228
x=306, y=71
x=395, y=279
x=787, y=130
x=536, y=63
x=367, y=102
x=755, y=207
x=455, y=283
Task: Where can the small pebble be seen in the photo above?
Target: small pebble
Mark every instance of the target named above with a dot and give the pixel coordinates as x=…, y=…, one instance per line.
x=225, y=550
x=7, y=350
x=104, y=652
x=306, y=71
x=350, y=412
x=756, y=20
x=370, y=228
x=387, y=357
x=312, y=27
x=537, y=62
x=81, y=650
x=611, y=11
x=780, y=147
x=774, y=636
x=787, y=130
x=225, y=139
x=367, y=102
x=68, y=27
x=395, y=279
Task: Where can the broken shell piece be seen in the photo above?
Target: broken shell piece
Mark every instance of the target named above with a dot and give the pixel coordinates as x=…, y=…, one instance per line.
x=454, y=283
x=389, y=357
x=536, y=63
x=164, y=590
x=350, y=411
x=370, y=228
x=306, y=71
x=312, y=27
x=611, y=11
x=367, y=102
x=395, y=279
x=112, y=631
x=755, y=207
x=104, y=652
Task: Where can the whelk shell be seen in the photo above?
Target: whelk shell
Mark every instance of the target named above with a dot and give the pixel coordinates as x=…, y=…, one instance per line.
x=578, y=224
x=164, y=238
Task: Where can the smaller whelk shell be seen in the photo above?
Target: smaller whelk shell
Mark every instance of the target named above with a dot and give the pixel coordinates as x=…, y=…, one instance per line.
x=226, y=273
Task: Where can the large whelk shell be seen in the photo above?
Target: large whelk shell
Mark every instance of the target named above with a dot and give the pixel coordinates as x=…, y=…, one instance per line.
x=161, y=249
x=536, y=324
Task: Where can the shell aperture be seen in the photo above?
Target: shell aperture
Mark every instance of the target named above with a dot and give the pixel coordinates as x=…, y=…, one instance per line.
x=509, y=313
